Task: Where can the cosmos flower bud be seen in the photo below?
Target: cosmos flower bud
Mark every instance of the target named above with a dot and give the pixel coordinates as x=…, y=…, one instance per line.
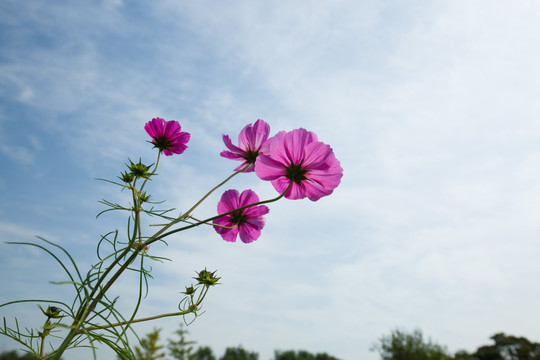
x=190, y=290
x=52, y=312
x=139, y=170
x=126, y=177
x=207, y=278
x=143, y=196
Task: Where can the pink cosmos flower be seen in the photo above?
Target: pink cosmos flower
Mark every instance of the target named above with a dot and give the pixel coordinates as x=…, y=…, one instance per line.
x=166, y=136
x=250, y=145
x=299, y=157
x=247, y=222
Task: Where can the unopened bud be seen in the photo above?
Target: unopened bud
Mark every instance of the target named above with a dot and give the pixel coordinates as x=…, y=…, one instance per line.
x=52, y=312
x=126, y=177
x=207, y=278
x=190, y=290
x=139, y=170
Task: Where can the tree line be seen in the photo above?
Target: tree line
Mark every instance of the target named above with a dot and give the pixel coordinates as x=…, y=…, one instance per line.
x=398, y=345
x=180, y=348
x=183, y=349
x=403, y=345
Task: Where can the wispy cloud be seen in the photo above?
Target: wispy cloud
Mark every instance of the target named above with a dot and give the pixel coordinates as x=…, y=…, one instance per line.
x=430, y=108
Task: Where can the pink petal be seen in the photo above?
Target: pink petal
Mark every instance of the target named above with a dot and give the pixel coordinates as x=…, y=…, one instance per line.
x=171, y=128
x=253, y=136
x=228, y=202
x=297, y=191
x=175, y=149
x=267, y=168
x=154, y=128
x=234, y=149
x=258, y=210
x=224, y=221
x=317, y=156
x=281, y=184
x=180, y=137
x=277, y=150
x=294, y=143
x=245, y=137
x=229, y=155
x=256, y=221
x=247, y=197
x=229, y=234
x=249, y=233
x=261, y=131
x=314, y=191
x=245, y=169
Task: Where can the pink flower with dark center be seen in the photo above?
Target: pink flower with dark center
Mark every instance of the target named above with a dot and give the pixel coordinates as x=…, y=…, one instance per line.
x=167, y=136
x=250, y=145
x=298, y=157
x=247, y=222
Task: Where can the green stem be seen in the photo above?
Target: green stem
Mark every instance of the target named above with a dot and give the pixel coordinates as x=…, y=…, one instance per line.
x=191, y=309
x=139, y=298
x=158, y=237
x=90, y=302
x=46, y=330
x=91, y=328
x=153, y=172
x=42, y=346
x=187, y=213
x=202, y=295
x=78, y=321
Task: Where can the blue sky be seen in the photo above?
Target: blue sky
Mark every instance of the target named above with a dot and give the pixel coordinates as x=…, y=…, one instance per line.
x=431, y=107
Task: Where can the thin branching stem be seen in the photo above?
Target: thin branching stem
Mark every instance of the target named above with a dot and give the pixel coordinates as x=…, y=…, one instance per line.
x=149, y=318
x=182, y=217
x=188, y=213
x=125, y=257
x=154, y=238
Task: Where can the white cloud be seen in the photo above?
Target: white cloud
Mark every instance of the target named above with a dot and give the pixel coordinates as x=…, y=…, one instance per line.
x=431, y=110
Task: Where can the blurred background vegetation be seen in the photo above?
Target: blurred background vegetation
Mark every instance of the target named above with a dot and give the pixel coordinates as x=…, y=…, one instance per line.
x=398, y=345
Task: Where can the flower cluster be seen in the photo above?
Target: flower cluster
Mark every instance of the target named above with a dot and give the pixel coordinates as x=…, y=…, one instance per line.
x=296, y=163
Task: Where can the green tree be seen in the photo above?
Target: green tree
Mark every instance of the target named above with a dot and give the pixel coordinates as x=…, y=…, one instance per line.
x=238, y=353
x=462, y=355
x=14, y=355
x=204, y=353
x=508, y=347
x=324, y=356
x=181, y=349
x=400, y=345
x=149, y=349
x=301, y=355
